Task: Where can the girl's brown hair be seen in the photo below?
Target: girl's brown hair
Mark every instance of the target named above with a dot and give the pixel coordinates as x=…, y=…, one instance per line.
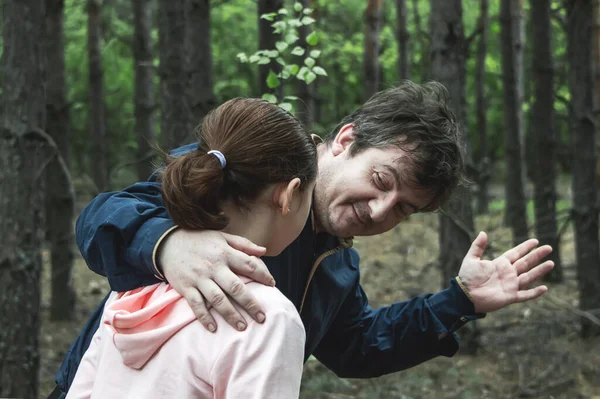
x=262, y=144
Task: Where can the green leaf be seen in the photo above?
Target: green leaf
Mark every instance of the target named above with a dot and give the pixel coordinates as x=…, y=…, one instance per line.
x=287, y=106
x=291, y=98
x=269, y=17
x=280, y=61
x=254, y=58
x=264, y=60
x=299, y=51
x=284, y=74
x=312, y=39
x=302, y=73
x=308, y=20
x=295, y=23
x=283, y=11
x=309, y=62
x=307, y=11
x=272, y=53
x=270, y=98
x=279, y=26
x=242, y=57
x=281, y=46
x=319, y=71
x=297, y=6
x=315, y=53
x=310, y=76
x=292, y=69
x=272, y=80
x=291, y=38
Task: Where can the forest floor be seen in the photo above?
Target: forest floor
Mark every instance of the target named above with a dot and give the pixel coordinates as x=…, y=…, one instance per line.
x=530, y=350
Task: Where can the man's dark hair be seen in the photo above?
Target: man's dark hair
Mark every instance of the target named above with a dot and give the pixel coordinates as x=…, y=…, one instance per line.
x=417, y=119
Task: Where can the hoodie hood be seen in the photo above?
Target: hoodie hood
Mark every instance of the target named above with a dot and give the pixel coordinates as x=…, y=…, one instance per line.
x=142, y=320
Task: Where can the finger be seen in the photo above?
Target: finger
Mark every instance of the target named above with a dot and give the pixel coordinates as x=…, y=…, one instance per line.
x=528, y=295
x=533, y=258
x=520, y=250
x=251, y=267
x=526, y=279
x=214, y=295
x=237, y=290
x=245, y=245
x=478, y=246
x=198, y=305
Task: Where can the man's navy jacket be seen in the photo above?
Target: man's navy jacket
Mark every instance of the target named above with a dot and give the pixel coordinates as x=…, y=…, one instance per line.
x=117, y=234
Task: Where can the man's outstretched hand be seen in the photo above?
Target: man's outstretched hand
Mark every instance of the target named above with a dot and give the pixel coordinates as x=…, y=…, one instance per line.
x=494, y=284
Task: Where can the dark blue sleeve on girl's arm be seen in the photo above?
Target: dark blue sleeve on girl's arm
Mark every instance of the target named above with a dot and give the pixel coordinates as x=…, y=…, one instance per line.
x=365, y=343
x=117, y=232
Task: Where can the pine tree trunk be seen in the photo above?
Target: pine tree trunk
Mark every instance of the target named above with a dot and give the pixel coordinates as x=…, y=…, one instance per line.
x=371, y=50
x=99, y=149
x=544, y=135
x=403, y=40
x=266, y=41
x=581, y=81
x=512, y=72
x=448, y=67
x=60, y=195
x=23, y=154
x=199, y=51
x=176, y=116
x=484, y=173
x=145, y=104
x=305, y=106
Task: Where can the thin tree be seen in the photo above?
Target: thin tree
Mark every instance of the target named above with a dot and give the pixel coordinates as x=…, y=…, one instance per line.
x=23, y=154
x=403, y=40
x=420, y=34
x=544, y=134
x=448, y=67
x=144, y=98
x=483, y=167
x=99, y=149
x=305, y=93
x=176, y=115
x=60, y=194
x=199, y=52
x=585, y=210
x=266, y=41
x=511, y=33
x=371, y=74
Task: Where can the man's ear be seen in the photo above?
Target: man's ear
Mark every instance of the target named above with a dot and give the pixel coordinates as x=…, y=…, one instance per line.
x=343, y=140
x=284, y=194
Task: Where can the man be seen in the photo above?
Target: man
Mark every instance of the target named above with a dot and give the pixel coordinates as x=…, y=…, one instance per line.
x=396, y=155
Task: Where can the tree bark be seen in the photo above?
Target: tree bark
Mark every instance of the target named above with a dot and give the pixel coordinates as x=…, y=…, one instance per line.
x=425, y=60
x=305, y=107
x=145, y=104
x=544, y=135
x=176, y=115
x=581, y=83
x=403, y=40
x=199, y=51
x=448, y=67
x=512, y=72
x=371, y=51
x=484, y=174
x=99, y=150
x=266, y=41
x=60, y=195
x=22, y=159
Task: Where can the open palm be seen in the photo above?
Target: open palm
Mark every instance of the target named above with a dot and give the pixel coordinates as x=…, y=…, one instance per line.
x=494, y=284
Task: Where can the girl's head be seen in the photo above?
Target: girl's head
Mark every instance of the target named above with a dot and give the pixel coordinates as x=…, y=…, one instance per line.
x=264, y=189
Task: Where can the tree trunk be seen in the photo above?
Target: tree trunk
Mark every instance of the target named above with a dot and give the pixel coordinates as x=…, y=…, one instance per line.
x=22, y=154
x=266, y=41
x=305, y=107
x=199, y=51
x=145, y=104
x=544, y=135
x=512, y=76
x=425, y=61
x=371, y=51
x=484, y=174
x=448, y=67
x=175, y=111
x=581, y=82
x=60, y=195
x=99, y=150
x=403, y=40
x=596, y=55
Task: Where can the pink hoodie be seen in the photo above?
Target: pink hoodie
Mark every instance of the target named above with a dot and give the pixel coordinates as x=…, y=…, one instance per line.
x=149, y=345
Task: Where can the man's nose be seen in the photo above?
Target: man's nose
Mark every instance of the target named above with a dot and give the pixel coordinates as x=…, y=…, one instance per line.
x=380, y=208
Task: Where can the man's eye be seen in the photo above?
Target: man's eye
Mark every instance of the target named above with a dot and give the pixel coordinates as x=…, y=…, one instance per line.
x=380, y=182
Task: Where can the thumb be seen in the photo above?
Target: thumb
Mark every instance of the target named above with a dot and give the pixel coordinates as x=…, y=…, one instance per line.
x=478, y=246
x=244, y=245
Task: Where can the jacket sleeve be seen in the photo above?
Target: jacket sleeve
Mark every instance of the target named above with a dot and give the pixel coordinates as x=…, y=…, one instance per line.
x=366, y=343
x=263, y=362
x=118, y=232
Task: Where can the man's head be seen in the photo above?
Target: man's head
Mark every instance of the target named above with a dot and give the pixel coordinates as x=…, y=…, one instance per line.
x=398, y=154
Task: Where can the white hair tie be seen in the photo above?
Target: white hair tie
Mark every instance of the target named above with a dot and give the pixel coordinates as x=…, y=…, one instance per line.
x=220, y=156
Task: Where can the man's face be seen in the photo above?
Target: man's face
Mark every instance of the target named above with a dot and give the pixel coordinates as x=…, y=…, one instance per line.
x=366, y=194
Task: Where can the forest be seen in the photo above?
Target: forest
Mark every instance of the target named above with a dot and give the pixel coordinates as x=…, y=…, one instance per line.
x=89, y=89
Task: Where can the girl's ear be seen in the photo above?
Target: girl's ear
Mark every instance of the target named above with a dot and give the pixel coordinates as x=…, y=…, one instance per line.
x=284, y=194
